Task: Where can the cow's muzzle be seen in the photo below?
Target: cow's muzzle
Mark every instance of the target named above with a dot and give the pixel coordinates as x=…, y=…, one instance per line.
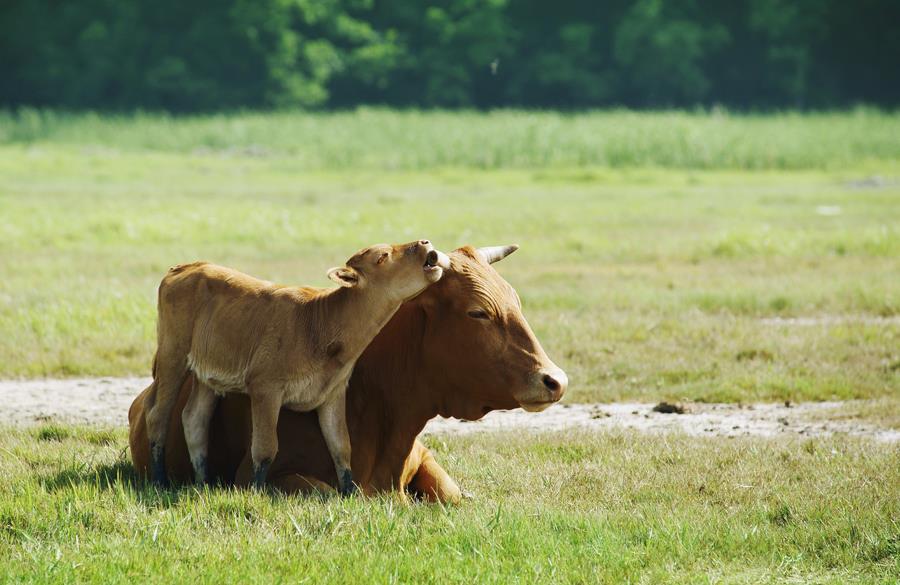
x=552, y=385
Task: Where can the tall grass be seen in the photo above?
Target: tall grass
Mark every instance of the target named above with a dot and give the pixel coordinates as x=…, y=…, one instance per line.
x=384, y=139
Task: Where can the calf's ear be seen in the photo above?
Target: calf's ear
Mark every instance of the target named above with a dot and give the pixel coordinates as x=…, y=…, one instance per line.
x=344, y=276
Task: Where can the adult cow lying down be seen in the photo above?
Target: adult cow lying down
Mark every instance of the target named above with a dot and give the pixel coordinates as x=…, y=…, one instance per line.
x=460, y=349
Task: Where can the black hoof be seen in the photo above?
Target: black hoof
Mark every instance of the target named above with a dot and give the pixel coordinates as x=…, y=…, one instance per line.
x=348, y=488
x=260, y=472
x=158, y=466
x=200, y=472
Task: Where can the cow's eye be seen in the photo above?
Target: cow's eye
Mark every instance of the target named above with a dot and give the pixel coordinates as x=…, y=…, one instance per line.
x=382, y=258
x=478, y=314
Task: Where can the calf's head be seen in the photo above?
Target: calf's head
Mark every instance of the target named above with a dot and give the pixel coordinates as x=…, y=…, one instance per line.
x=478, y=349
x=399, y=271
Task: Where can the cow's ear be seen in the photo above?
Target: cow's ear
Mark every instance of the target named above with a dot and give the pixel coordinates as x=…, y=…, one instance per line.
x=344, y=276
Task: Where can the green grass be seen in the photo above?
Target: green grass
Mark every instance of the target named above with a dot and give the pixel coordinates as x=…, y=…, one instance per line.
x=383, y=139
x=663, y=257
x=642, y=282
x=569, y=507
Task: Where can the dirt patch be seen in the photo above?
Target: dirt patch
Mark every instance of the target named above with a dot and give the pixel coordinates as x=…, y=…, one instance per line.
x=105, y=401
x=830, y=321
x=809, y=419
x=100, y=401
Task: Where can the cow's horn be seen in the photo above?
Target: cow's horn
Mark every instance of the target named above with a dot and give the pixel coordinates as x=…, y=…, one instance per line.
x=493, y=254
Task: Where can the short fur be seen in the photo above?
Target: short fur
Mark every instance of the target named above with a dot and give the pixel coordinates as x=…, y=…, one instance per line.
x=280, y=345
x=431, y=358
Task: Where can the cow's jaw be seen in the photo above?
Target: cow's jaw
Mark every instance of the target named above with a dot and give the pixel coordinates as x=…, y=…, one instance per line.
x=536, y=406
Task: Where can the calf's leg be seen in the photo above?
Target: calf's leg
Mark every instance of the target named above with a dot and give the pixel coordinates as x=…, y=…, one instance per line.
x=264, y=409
x=195, y=418
x=333, y=421
x=171, y=371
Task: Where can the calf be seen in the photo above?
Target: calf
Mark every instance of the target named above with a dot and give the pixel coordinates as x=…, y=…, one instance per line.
x=280, y=345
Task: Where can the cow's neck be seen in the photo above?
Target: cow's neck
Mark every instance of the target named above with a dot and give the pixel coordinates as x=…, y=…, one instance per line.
x=389, y=400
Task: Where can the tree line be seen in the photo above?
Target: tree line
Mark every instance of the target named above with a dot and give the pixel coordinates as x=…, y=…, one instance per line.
x=206, y=55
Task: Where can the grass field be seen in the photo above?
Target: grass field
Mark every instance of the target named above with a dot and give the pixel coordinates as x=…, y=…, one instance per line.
x=582, y=508
x=648, y=276
x=687, y=256
x=411, y=140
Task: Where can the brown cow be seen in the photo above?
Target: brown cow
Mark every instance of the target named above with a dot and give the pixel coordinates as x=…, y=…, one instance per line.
x=281, y=345
x=462, y=348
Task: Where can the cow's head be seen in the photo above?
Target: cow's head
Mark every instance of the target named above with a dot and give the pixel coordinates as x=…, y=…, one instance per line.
x=478, y=349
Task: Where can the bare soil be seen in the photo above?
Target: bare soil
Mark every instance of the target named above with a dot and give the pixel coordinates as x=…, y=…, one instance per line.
x=105, y=402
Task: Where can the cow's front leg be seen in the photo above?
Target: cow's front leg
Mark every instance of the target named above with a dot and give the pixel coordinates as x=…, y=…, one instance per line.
x=333, y=421
x=431, y=482
x=195, y=418
x=264, y=408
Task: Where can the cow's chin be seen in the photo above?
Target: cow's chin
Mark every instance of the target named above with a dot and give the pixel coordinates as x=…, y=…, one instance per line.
x=472, y=411
x=536, y=406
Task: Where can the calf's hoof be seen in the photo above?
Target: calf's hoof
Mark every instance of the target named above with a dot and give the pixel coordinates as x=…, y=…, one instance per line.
x=158, y=474
x=200, y=474
x=260, y=472
x=348, y=488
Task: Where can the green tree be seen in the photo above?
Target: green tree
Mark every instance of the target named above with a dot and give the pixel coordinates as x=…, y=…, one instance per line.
x=226, y=54
x=661, y=53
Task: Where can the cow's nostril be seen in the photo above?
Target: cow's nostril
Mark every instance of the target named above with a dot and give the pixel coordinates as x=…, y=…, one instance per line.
x=550, y=382
x=424, y=242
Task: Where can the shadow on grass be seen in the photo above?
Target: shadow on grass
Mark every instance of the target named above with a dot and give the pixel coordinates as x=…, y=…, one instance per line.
x=122, y=476
x=119, y=476
x=103, y=476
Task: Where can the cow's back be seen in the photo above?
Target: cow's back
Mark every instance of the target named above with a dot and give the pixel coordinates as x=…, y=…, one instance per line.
x=220, y=318
x=194, y=285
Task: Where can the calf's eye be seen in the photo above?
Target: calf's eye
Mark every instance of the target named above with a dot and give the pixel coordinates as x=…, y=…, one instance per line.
x=478, y=314
x=382, y=258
